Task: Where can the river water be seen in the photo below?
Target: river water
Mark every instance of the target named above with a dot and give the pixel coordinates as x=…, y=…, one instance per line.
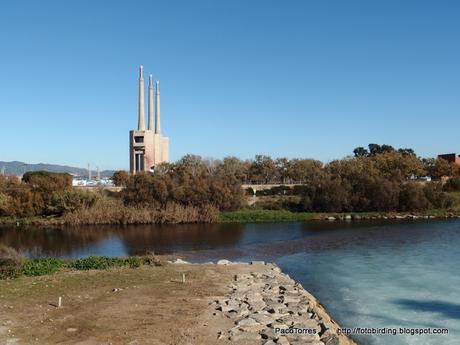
x=367, y=274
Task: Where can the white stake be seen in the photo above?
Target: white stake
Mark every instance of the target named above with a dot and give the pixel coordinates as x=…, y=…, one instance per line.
x=183, y=278
x=60, y=302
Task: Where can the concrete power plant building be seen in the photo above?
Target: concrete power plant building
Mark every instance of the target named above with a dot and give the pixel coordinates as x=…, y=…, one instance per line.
x=147, y=147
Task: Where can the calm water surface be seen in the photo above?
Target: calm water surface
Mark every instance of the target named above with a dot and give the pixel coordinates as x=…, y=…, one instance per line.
x=403, y=274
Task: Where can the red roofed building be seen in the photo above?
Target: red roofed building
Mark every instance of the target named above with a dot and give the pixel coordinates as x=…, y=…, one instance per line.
x=451, y=158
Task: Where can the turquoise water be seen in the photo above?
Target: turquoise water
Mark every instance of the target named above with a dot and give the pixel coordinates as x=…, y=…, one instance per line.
x=367, y=275
x=405, y=276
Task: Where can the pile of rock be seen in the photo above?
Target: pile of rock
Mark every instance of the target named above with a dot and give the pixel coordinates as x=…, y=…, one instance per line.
x=269, y=308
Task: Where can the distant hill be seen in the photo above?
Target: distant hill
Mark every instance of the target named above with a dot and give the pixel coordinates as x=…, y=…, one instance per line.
x=19, y=168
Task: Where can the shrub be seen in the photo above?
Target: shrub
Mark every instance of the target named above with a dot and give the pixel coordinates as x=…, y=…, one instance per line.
x=412, y=198
x=151, y=259
x=48, y=181
x=10, y=263
x=22, y=202
x=279, y=190
x=189, y=182
x=43, y=185
x=120, y=178
x=39, y=267
x=9, y=269
x=133, y=261
x=452, y=185
x=438, y=198
x=332, y=196
x=4, y=205
x=269, y=204
x=70, y=201
x=97, y=263
x=105, y=262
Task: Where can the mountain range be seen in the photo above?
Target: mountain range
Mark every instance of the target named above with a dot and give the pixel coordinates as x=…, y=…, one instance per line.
x=19, y=168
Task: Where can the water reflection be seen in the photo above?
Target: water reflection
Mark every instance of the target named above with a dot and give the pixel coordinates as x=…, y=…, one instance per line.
x=202, y=242
x=118, y=240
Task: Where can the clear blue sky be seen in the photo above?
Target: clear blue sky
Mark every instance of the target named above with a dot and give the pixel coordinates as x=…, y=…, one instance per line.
x=284, y=78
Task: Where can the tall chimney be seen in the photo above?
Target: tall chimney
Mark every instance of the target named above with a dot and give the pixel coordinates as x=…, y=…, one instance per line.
x=157, y=109
x=141, y=119
x=150, y=103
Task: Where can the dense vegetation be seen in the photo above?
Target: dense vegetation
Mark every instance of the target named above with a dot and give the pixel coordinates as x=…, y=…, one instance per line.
x=51, y=195
x=189, y=182
x=377, y=178
x=41, y=193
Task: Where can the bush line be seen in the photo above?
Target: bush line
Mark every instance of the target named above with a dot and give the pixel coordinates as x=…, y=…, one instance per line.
x=13, y=265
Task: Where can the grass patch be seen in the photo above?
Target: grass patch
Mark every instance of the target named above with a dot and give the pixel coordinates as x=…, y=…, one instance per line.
x=39, y=267
x=259, y=215
x=133, y=261
x=13, y=265
x=105, y=262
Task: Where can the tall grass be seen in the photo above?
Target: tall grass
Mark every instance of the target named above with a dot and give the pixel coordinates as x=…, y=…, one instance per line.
x=112, y=211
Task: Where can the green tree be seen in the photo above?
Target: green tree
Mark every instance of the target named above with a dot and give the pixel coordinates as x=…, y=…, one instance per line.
x=360, y=152
x=263, y=170
x=306, y=171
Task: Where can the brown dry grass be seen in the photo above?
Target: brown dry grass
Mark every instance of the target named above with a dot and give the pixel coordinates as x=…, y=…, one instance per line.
x=153, y=307
x=112, y=211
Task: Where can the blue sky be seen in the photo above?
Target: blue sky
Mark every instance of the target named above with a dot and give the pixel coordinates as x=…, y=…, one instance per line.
x=309, y=79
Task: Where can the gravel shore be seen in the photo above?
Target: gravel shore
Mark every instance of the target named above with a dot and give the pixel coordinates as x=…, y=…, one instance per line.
x=268, y=307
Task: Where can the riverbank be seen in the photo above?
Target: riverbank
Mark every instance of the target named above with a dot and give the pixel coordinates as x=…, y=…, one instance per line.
x=250, y=215
x=130, y=306
x=260, y=216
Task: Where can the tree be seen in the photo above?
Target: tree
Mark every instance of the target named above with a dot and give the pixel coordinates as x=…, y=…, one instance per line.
x=282, y=167
x=191, y=181
x=382, y=194
x=235, y=167
x=406, y=151
x=262, y=170
x=374, y=149
x=360, y=152
x=397, y=166
x=412, y=198
x=306, y=171
x=332, y=195
x=439, y=168
x=120, y=178
x=47, y=182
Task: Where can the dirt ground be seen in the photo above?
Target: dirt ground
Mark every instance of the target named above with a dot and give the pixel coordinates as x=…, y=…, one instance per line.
x=147, y=305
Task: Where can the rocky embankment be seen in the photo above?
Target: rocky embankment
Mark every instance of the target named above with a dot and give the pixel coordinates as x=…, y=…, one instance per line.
x=389, y=216
x=268, y=307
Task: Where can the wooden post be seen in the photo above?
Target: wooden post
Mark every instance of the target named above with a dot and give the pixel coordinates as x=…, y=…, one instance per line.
x=60, y=302
x=183, y=278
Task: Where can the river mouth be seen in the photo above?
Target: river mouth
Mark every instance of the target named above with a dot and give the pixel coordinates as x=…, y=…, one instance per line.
x=399, y=274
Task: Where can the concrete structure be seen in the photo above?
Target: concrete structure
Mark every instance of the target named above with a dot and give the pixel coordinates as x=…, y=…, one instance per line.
x=450, y=157
x=141, y=114
x=147, y=147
